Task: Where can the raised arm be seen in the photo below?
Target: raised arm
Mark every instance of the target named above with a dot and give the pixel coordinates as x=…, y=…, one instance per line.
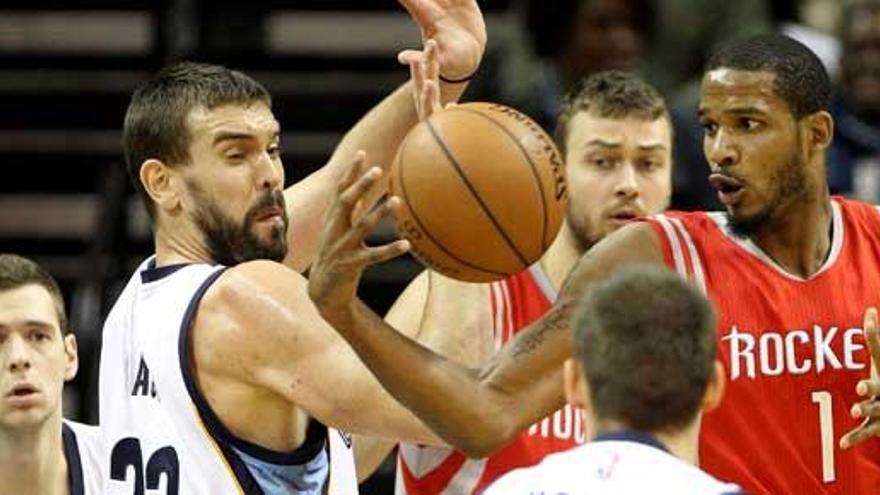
x=457, y=28
x=475, y=411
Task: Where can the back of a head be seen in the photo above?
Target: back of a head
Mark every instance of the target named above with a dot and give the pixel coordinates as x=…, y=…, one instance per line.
x=646, y=341
x=156, y=120
x=799, y=76
x=610, y=94
x=17, y=271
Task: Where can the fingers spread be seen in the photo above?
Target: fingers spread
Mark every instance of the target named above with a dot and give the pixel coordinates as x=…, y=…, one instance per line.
x=866, y=430
x=866, y=409
x=353, y=171
x=872, y=335
x=381, y=254
x=351, y=195
x=868, y=388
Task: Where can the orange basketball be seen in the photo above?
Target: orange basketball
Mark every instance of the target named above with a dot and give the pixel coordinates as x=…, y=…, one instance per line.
x=483, y=191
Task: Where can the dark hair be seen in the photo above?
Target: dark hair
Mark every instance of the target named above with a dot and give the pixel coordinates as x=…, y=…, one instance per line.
x=646, y=341
x=851, y=10
x=155, y=122
x=550, y=25
x=17, y=271
x=800, y=78
x=615, y=94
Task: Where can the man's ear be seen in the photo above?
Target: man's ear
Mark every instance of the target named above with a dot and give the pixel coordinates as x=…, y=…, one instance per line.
x=575, y=384
x=158, y=180
x=71, y=354
x=819, y=127
x=715, y=388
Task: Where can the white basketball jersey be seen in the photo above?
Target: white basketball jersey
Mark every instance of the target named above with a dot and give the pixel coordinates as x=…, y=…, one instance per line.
x=343, y=476
x=84, y=452
x=624, y=463
x=159, y=430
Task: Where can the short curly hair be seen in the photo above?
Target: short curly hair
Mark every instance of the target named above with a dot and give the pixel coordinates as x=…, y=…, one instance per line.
x=800, y=78
x=613, y=94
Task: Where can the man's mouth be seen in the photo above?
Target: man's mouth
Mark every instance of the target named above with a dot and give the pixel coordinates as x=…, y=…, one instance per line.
x=270, y=213
x=23, y=396
x=22, y=390
x=625, y=216
x=729, y=189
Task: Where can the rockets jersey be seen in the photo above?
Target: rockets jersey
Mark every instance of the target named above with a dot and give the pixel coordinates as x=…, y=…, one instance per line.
x=619, y=463
x=160, y=432
x=793, y=351
x=515, y=302
x=83, y=451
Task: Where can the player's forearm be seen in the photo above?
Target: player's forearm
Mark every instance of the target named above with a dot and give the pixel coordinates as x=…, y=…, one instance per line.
x=378, y=133
x=452, y=400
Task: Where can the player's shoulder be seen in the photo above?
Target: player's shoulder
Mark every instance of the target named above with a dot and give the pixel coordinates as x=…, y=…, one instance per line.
x=653, y=466
x=85, y=451
x=82, y=430
x=857, y=211
x=255, y=277
x=690, y=220
x=551, y=475
x=611, y=467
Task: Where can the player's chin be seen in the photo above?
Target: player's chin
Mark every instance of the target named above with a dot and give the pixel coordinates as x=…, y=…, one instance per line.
x=22, y=418
x=613, y=224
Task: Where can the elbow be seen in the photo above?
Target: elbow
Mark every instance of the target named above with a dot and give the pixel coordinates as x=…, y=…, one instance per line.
x=489, y=436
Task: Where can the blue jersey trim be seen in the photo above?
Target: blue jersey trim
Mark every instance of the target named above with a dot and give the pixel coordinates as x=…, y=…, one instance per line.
x=315, y=437
x=631, y=436
x=212, y=423
x=74, y=463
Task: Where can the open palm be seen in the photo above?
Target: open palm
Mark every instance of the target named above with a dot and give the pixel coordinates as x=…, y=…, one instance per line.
x=458, y=28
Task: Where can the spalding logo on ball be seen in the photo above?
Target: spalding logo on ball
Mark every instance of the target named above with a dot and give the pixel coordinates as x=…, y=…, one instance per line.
x=483, y=191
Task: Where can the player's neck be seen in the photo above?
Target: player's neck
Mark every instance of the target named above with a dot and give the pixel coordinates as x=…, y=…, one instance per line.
x=185, y=245
x=683, y=444
x=33, y=462
x=680, y=443
x=799, y=237
x=561, y=256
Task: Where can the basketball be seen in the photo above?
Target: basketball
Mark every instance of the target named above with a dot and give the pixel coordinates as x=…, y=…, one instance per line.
x=483, y=191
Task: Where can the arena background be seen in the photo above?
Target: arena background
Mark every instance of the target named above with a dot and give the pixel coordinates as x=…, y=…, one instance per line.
x=67, y=69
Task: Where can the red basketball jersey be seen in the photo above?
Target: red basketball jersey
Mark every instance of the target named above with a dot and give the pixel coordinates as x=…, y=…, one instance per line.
x=793, y=351
x=516, y=302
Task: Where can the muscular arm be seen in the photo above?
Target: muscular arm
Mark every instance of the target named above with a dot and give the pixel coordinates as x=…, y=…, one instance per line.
x=449, y=317
x=262, y=353
x=379, y=134
x=459, y=39
x=406, y=316
x=478, y=411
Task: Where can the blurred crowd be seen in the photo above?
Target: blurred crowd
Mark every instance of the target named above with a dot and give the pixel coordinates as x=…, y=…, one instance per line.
x=667, y=42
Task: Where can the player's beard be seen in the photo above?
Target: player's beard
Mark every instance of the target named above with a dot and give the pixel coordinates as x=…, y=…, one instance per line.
x=230, y=244
x=789, y=183
x=582, y=230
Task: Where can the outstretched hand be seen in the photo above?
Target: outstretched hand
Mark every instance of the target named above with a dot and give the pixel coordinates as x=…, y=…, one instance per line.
x=458, y=28
x=423, y=72
x=343, y=256
x=869, y=389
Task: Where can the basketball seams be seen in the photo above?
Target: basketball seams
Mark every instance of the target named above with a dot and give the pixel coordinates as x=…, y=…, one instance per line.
x=483, y=206
x=414, y=215
x=544, y=241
